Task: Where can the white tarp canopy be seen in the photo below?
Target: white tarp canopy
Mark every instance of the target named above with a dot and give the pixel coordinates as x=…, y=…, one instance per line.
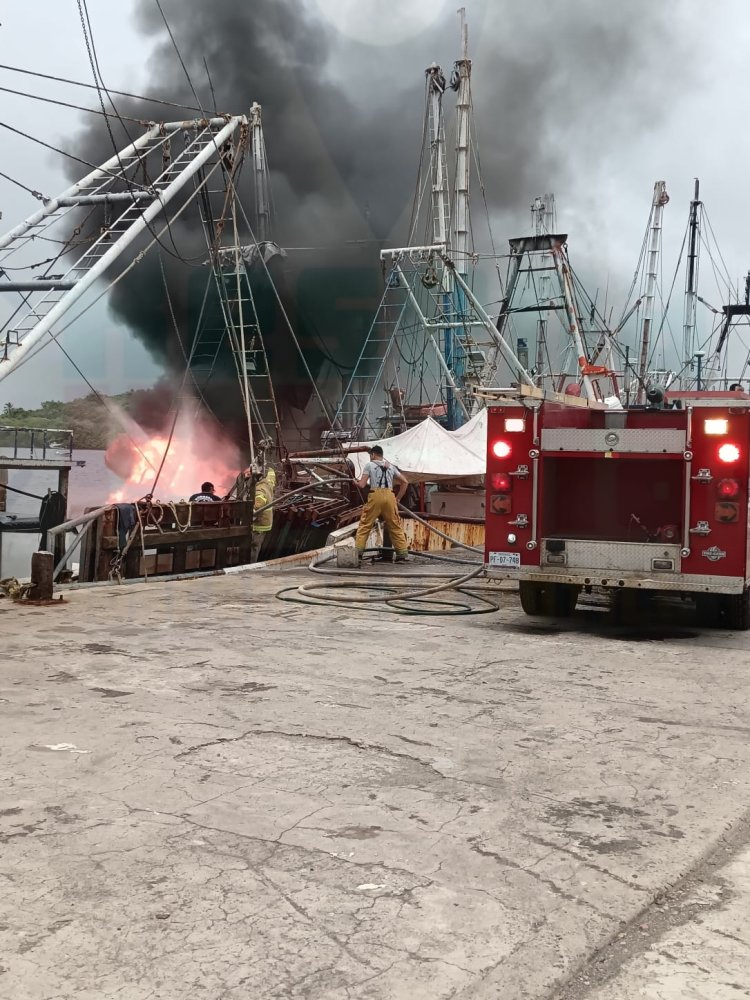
x=427, y=453
x=473, y=435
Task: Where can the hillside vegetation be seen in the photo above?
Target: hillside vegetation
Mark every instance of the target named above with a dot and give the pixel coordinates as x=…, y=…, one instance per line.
x=87, y=417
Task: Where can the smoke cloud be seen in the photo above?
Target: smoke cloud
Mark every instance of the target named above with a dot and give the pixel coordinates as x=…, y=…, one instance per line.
x=558, y=87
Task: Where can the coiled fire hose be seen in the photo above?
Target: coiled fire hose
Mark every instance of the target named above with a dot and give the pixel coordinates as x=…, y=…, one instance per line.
x=397, y=595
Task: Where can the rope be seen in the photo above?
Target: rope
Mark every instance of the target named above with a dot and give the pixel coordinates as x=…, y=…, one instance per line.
x=182, y=528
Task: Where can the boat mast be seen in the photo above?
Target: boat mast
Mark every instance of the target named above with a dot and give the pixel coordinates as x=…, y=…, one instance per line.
x=260, y=174
x=544, y=222
x=691, y=282
x=463, y=146
x=657, y=211
x=441, y=226
x=440, y=190
x=454, y=338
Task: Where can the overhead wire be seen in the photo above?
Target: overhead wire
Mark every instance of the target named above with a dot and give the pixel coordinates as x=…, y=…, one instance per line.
x=64, y=104
x=179, y=54
x=88, y=37
x=90, y=86
x=62, y=152
x=35, y=194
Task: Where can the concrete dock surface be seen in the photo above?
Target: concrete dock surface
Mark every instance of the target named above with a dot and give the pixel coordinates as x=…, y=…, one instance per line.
x=212, y=794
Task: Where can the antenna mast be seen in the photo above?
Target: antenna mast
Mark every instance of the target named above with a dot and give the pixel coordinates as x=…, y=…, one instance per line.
x=657, y=211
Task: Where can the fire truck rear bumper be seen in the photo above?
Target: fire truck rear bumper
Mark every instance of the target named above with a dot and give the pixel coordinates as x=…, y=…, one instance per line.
x=684, y=582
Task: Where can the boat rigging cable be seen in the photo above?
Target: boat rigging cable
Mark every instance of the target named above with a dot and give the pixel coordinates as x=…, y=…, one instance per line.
x=35, y=194
x=179, y=54
x=91, y=86
x=88, y=37
x=67, y=104
x=62, y=152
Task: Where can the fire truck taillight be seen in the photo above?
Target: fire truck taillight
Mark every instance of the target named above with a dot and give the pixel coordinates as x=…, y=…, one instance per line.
x=514, y=425
x=716, y=426
x=728, y=489
x=727, y=512
x=729, y=453
x=501, y=449
x=501, y=481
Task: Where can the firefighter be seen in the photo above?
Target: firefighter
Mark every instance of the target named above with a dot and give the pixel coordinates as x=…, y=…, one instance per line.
x=381, y=502
x=263, y=522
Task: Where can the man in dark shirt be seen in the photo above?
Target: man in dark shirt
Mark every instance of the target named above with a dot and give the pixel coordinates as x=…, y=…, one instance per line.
x=206, y=495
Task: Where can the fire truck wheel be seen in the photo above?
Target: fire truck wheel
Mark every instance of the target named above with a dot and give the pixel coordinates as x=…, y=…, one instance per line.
x=531, y=597
x=737, y=611
x=564, y=598
x=708, y=610
x=556, y=600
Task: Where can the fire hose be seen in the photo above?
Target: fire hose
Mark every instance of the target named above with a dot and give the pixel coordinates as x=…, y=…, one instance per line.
x=400, y=596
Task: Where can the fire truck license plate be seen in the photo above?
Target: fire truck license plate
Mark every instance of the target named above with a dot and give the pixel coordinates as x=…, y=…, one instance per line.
x=508, y=560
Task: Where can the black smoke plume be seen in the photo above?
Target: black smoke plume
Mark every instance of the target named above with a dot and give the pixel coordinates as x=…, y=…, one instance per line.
x=555, y=84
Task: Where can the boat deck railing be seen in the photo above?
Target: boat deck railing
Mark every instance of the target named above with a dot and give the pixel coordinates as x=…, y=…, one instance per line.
x=40, y=446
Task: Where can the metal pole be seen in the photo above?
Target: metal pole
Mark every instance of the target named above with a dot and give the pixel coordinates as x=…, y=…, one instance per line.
x=440, y=193
x=440, y=209
x=463, y=146
x=456, y=358
x=574, y=329
x=71, y=549
x=500, y=344
x=83, y=519
x=441, y=360
x=514, y=268
x=691, y=286
x=260, y=174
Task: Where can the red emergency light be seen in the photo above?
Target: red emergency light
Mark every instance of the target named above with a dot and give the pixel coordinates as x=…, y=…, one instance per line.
x=501, y=481
x=501, y=449
x=729, y=453
x=728, y=489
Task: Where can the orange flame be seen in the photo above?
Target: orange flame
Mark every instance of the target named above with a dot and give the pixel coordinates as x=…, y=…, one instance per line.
x=196, y=454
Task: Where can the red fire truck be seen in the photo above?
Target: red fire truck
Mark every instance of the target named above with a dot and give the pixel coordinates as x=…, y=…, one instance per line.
x=649, y=498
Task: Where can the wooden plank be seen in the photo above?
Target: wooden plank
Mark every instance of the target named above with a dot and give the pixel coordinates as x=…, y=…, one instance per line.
x=158, y=540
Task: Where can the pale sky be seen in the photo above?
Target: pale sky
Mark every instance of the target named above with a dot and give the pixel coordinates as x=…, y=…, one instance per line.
x=699, y=131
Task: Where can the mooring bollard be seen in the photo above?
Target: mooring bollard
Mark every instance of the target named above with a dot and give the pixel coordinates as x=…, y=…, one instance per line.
x=42, y=568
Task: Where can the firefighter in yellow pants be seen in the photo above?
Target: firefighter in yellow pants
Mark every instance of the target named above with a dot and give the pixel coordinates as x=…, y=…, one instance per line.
x=382, y=502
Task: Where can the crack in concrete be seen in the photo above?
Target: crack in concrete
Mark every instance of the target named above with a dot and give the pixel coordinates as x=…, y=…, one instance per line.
x=360, y=745
x=586, y=862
